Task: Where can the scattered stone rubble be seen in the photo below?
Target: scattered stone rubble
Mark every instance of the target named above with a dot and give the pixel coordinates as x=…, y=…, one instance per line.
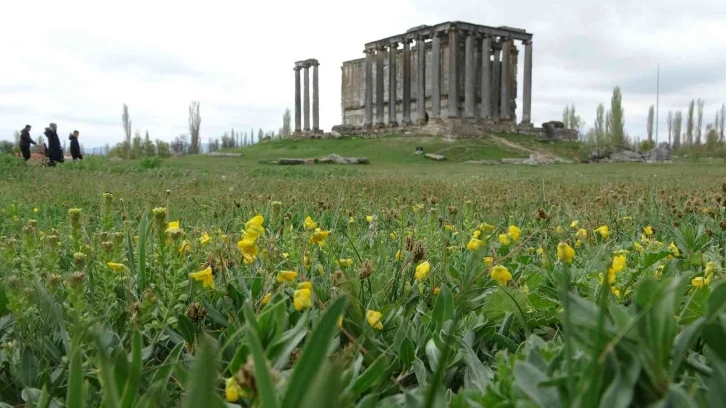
x=329, y=159
x=659, y=154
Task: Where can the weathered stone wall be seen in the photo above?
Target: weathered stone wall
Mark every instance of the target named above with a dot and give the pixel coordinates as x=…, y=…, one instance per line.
x=353, y=83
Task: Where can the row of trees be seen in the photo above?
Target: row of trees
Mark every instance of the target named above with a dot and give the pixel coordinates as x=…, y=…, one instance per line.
x=137, y=147
x=695, y=131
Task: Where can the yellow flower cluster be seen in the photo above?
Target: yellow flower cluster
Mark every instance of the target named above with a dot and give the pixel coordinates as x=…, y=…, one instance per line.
x=248, y=244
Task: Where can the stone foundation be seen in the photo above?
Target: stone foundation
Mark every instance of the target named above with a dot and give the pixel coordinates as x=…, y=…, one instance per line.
x=456, y=128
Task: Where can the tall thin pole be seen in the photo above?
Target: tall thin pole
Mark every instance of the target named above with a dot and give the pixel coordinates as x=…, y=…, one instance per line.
x=657, y=105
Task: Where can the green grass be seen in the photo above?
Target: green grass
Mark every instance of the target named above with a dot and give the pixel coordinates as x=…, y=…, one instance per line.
x=383, y=150
x=563, y=148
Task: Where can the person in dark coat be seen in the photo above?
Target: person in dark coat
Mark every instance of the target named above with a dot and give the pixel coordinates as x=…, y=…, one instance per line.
x=55, y=150
x=75, y=147
x=25, y=142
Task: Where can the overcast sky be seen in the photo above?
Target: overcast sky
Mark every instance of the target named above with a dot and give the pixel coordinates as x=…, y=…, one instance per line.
x=76, y=62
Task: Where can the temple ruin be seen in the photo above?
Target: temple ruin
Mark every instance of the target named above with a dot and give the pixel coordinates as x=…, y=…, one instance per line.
x=419, y=80
x=304, y=127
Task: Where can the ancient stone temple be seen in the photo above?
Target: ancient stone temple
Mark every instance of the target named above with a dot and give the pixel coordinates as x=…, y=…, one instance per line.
x=453, y=77
x=300, y=126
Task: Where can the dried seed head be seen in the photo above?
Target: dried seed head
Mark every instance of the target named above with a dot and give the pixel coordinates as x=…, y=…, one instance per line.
x=196, y=312
x=365, y=270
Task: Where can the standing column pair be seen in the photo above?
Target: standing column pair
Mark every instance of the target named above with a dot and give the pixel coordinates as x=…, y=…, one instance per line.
x=305, y=108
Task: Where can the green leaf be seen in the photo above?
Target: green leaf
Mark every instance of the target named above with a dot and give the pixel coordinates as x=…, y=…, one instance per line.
x=74, y=393
x=477, y=375
x=202, y=382
x=714, y=334
x=215, y=315
x=620, y=392
x=144, y=229
x=443, y=308
x=186, y=328
x=313, y=354
x=28, y=367
x=262, y=374
x=369, y=377
x=109, y=391
x=407, y=352
x=369, y=401
x=716, y=301
x=716, y=389
x=527, y=378
x=684, y=342
x=132, y=383
x=434, y=354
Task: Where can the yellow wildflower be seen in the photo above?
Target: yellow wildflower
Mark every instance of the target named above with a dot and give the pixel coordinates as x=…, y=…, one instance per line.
x=648, y=231
x=254, y=228
x=487, y=260
x=305, y=285
x=116, y=267
x=393, y=236
x=374, y=319
x=604, y=231
x=514, y=233
x=185, y=246
x=710, y=268
x=638, y=247
x=266, y=299
x=309, y=223
x=486, y=227
x=370, y=218
x=205, y=239
x=504, y=239
x=36, y=210
x=249, y=249
x=674, y=249
x=436, y=291
x=205, y=276
x=618, y=263
x=301, y=299
x=476, y=234
x=574, y=224
x=319, y=236
x=501, y=275
x=578, y=243
x=581, y=234
x=700, y=282
x=286, y=276
x=659, y=271
x=540, y=251
x=565, y=252
x=232, y=390
x=399, y=255
x=611, y=276
x=422, y=271
x=474, y=245
x=344, y=263
x=615, y=291
x=173, y=227
x=449, y=227
x=351, y=220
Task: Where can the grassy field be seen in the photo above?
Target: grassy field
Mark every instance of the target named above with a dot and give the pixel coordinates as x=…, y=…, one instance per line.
x=201, y=281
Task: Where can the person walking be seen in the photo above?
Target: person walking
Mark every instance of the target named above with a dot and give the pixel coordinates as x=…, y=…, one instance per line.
x=75, y=147
x=55, y=151
x=25, y=142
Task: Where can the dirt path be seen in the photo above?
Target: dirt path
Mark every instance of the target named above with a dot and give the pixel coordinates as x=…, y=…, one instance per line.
x=518, y=147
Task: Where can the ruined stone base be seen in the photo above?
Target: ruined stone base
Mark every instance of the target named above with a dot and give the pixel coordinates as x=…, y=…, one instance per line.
x=456, y=128
x=309, y=134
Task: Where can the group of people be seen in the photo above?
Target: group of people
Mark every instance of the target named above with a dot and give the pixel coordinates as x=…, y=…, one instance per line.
x=53, y=149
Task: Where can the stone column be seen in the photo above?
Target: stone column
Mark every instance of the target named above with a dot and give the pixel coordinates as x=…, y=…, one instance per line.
x=316, y=99
x=369, y=89
x=298, y=108
x=469, y=80
x=496, y=80
x=392, y=97
x=379, y=87
x=436, y=77
x=421, y=81
x=527, y=94
x=486, y=78
x=453, y=77
x=406, y=82
x=504, y=87
x=306, y=98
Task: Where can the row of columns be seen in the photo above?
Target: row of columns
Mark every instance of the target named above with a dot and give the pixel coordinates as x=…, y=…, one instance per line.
x=305, y=105
x=495, y=100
